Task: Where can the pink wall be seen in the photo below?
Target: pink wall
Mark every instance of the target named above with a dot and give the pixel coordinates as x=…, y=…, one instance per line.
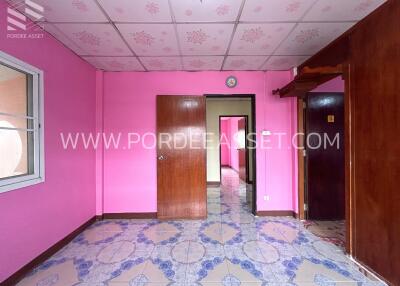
x=33, y=219
x=229, y=153
x=334, y=85
x=233, y=123
x=275, y=174
x=100, y=149
x=130, y=106
x=225, y=142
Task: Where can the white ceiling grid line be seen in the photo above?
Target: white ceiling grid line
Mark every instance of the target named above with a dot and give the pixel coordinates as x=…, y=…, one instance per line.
x=176, y=31
x=285, y=39
x=145, y=35
x=119, y=33
x=233, y=32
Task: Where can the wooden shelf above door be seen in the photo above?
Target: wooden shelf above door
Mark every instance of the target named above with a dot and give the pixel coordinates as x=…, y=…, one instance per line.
x=308, y=79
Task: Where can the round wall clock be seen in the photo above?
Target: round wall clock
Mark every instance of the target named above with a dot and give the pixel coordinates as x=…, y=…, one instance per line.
x=231, y=81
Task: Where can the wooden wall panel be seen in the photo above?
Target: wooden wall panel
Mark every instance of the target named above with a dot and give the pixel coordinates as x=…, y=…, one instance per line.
x=375, y=93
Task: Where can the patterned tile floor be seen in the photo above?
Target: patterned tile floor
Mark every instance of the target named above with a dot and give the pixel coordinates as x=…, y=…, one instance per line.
x=231, y=247
x=331, y=231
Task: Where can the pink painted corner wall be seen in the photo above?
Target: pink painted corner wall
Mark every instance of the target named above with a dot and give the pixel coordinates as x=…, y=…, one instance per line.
x=229, y=152
x=234, y=153
x=34, y=218
x=225, y=136
x=334, y=85
x=275, y=173
x=130, y=183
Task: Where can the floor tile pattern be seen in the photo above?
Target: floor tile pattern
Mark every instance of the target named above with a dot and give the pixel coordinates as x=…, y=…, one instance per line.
x=231, y=247
x=331, y=231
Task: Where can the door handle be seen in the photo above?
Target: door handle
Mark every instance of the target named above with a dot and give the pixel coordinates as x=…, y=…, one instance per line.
x=161, y=157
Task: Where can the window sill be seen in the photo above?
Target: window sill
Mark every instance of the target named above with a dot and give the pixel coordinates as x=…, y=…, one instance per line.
x=21, y=184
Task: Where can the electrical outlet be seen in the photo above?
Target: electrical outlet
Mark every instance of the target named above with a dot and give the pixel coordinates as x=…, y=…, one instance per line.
x=266, y=198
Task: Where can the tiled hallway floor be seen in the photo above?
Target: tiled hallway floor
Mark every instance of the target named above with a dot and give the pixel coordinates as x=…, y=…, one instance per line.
x=230, y=247
x=331, y=231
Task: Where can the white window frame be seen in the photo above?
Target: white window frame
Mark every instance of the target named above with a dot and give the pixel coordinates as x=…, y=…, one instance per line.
x=38, y=175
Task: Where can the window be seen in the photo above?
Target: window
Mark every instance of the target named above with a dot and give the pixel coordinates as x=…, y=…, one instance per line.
x=21, y=124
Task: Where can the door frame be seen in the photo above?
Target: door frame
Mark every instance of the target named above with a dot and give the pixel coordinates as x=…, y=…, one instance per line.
x=252, y=98
x=246, y=118
x=348, y=158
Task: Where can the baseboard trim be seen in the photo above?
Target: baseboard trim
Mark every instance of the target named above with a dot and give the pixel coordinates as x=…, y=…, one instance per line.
x=276, y=213
x=367, y=271
x=22, y=272
x=214, y=183
x=130, y=215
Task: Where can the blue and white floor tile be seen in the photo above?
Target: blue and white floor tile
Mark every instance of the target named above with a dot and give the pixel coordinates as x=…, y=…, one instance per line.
x=231, y=247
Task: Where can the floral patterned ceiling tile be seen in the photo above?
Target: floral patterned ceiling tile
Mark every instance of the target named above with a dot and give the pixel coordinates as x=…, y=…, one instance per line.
x=309, y=38
x=96, y=39
x=151, y=39
x=283, y=63
x=342, y=10
x=60, y=36
x=68, y=11
x=204, y=39
x=275, y=10
x=162, y=63
x=206, y=11
x=244, y=62
x=115, y=63
x=137, y=10
x=203, y=63
x=259, y=39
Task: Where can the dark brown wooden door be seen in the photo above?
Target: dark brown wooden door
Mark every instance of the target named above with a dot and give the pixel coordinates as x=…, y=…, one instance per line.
x=242, y=150
x=325, y=164
x=181, y=165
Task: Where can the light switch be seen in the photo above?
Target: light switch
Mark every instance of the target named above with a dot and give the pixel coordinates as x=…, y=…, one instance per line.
x=266, y=132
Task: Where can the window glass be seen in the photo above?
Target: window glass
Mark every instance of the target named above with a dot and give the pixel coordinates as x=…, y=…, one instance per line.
x=16, y=123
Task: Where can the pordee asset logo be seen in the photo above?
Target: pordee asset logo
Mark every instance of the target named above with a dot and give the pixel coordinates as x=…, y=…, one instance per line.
x=18, y=25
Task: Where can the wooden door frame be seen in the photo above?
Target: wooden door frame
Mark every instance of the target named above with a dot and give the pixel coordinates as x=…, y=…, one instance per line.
x=246, y=118
x=252, y=98
x=348, y=154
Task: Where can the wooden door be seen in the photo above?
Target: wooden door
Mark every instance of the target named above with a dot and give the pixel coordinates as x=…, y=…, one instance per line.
x=242, y=150
x=325, y=164
x=181, y=165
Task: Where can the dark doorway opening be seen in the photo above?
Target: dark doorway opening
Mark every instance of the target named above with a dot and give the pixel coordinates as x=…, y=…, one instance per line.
x=324, y=129
x=324, y=166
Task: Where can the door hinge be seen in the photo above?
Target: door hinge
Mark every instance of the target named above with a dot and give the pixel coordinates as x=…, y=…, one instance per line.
x=304, y=153
x=304, y=105
x=305, y=207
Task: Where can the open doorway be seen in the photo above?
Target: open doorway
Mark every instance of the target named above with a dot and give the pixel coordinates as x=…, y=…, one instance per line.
x=231, y=165
x=234, y=154
x=324, y=166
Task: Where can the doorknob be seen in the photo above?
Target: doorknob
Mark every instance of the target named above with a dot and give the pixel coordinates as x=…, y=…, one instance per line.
x=161, y=157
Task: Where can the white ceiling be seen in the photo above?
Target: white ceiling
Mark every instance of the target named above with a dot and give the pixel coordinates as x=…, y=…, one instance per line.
x=147, y=35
